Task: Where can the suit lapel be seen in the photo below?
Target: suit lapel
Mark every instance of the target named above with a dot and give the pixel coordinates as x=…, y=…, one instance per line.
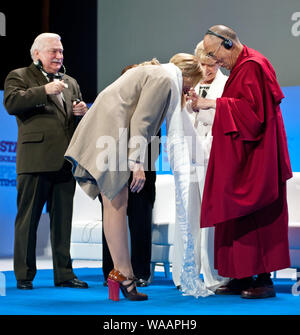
x=40, y=78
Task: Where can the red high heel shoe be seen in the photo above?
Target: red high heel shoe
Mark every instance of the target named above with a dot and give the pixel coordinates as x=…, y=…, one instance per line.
x=115, y=283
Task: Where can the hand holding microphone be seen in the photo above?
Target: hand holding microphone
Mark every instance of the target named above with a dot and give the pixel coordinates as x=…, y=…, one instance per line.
x=79, y=107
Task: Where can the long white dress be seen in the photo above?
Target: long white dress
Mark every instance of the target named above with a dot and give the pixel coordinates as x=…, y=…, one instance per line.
x=188, y=151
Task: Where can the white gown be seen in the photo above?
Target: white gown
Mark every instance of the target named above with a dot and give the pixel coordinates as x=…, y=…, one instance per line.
x=188, y=151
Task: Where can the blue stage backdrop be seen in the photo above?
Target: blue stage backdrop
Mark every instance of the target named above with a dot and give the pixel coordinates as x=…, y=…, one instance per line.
x=8, y=141
x=291, y=115
x=8, y=194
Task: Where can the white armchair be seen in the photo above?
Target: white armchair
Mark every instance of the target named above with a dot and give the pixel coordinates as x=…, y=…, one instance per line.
x=86, y=237
x=163, y=223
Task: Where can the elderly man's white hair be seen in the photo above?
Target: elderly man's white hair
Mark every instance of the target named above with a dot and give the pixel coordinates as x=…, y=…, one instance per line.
x=40, y=41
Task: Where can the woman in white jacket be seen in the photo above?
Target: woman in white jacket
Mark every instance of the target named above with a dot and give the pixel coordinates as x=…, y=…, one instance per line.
x=194, y=247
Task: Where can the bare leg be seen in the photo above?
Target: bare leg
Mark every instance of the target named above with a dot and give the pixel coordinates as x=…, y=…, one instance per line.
x=116, y=232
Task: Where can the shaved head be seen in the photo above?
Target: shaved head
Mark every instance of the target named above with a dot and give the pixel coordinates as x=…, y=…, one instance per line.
x=215, y=48
x=225, y=31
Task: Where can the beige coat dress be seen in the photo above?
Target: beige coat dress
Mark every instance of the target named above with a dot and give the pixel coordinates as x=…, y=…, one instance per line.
x=119, y=125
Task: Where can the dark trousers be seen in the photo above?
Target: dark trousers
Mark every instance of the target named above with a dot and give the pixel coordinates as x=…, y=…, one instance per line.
x=34, y=190
x=139, y=213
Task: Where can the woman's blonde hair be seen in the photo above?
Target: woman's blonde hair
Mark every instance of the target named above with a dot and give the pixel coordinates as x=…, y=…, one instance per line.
x=153, y=61
x=201, y=55
x=189, y=65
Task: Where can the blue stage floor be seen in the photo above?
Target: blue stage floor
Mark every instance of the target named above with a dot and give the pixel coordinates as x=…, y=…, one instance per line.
x=164, y=299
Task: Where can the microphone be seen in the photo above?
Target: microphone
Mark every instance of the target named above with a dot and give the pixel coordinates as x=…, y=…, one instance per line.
x=77, y=117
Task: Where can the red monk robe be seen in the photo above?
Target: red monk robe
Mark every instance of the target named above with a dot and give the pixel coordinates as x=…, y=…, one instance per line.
x=245, y=188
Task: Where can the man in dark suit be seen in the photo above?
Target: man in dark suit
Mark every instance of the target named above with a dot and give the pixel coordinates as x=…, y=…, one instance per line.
x=46, y=109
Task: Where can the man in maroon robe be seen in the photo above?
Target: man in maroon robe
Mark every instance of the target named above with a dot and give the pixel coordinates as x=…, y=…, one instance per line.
x=245, y=188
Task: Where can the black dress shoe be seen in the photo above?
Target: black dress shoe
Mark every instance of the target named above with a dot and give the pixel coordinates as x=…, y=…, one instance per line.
x=105, y=284
x=262, y=288
x=235, y=286
x=24, y=284
x=141, y=282
x=74, y=283
x=260, y=292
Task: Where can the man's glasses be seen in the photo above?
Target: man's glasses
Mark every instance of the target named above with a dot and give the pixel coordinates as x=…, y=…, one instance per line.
x=213, y=54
